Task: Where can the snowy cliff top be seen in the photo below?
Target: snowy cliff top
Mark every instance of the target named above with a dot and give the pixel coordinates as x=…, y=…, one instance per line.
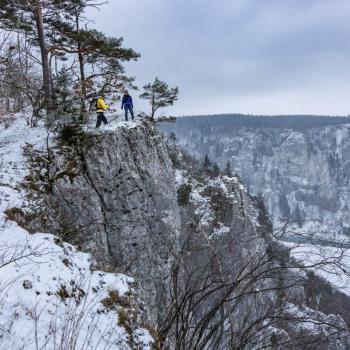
x=115, y=121
x=50, y=296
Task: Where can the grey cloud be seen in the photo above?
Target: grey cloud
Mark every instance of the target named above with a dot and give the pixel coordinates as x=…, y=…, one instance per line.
x=238, y=50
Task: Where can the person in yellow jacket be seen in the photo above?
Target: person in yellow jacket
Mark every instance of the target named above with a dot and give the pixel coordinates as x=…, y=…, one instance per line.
x=100, y=108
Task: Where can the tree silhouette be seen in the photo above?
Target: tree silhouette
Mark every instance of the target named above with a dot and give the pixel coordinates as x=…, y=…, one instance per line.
x=228, y=171
x=159, y=95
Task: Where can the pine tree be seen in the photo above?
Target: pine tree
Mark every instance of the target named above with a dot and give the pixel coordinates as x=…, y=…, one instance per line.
x=63, y=83
x=228, y=171
x=96, y=53
x=206, y=162
x=160, y=95
x=206, y=165
x=59, y=29
x=172, y=137
x=216, y=170
x=103, y=57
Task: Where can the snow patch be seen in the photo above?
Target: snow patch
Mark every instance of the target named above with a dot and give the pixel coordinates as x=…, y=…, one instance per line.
x=49, y=295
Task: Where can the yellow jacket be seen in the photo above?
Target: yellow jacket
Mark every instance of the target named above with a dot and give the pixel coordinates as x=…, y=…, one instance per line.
x=101, y=105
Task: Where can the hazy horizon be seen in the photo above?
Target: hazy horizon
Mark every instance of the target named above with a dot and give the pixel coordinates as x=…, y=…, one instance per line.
x=239, y=56
x=265, y=115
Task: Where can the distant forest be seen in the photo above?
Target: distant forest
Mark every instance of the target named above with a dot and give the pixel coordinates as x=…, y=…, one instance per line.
x=299, y=122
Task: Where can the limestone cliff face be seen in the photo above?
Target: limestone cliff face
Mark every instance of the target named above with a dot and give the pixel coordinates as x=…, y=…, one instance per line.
x=299, y=165
x=199, y=247
x=227, y=243
x=114, y=194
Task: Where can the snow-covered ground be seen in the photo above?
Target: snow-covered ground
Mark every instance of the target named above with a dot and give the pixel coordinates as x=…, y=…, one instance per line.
x=312, y=230
x=50, y=298
x=331, y=263
x=114, y=121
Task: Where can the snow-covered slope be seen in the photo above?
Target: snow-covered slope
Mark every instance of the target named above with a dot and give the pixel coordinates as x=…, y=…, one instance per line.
x=144, y=208
x=50, y=295
x=336, y=270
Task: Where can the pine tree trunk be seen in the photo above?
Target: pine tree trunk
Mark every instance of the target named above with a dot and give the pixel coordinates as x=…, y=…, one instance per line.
x=53, y=94
x=82, y=70
x=153, y=106
x=37, y=11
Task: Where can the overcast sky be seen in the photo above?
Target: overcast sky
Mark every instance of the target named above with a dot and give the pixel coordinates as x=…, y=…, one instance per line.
x=239, y=56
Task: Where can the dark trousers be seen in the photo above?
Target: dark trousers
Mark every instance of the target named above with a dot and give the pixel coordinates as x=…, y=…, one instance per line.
x=101, y=118
x=128, y=108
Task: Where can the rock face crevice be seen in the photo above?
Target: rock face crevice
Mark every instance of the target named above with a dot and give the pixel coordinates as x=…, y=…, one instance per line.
x=121, y=204
x=209, y=270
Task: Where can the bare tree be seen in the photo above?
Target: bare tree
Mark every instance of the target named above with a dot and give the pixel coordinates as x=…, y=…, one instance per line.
x=21, y=76
x=208, y=300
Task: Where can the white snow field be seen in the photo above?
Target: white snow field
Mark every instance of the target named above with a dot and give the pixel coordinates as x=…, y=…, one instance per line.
x=331, y=263
x=49, y=296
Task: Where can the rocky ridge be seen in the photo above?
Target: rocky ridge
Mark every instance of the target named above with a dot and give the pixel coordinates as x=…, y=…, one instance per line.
x=299, y=166
x=200, y=248
x=52, y=295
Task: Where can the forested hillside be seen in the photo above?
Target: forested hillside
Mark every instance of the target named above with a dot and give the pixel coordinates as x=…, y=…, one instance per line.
x=114, y=237
x=299, y=164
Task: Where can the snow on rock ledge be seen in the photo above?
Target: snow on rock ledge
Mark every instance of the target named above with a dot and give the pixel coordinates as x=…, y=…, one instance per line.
x=49, y=295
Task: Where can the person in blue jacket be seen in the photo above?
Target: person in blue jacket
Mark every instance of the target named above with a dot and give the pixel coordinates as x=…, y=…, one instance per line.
x=127, y=105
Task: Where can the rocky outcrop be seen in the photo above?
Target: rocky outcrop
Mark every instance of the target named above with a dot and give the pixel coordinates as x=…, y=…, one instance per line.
x=300, y=165
x=199, y=246
x=230, y=254
x=114, y=195
x=50, y=297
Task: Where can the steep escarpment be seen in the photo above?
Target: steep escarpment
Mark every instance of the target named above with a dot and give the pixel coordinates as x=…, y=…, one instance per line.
x=300, y=165
x=51, y=294
x=114, y=195
x=199, y=247
x=255, y=294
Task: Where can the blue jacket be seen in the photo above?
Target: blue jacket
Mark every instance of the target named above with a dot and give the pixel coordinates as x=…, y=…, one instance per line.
x=127, y=101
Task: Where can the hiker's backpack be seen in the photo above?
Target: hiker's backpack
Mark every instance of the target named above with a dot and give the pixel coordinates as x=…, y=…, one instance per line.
x=93, y=105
